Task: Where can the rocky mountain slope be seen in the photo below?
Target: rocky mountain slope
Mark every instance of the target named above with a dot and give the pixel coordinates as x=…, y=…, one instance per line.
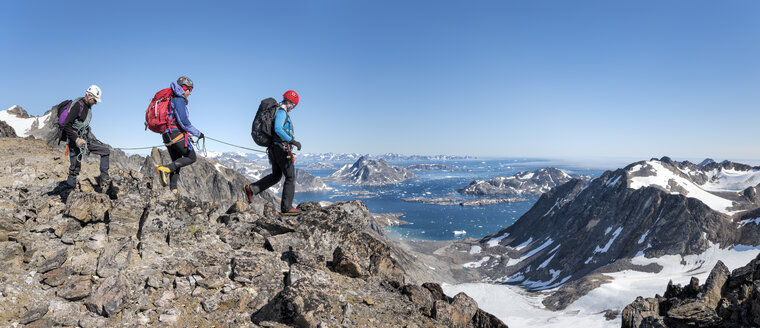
x=370, y=172
x=624, y=220
x=522, y=183
x=254, y=171
x=135, y=254
x=727, y=299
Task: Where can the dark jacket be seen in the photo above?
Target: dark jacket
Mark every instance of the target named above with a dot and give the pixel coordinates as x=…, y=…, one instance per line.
x=79, y=112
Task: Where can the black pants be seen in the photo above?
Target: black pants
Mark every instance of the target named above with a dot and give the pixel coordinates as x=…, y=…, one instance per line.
x=181, y=156
x=96, y=147
x=281, y=164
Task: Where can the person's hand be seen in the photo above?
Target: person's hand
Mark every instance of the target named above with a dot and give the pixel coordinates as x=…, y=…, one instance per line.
x=201, y=136
x=80, y=142
x=296, y=143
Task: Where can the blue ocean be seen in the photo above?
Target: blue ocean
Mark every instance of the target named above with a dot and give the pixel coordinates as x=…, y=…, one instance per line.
x=437, y=222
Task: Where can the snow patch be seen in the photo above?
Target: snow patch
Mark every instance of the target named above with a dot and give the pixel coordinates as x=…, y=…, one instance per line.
x=476, y=264
x=495, y=241
x=531, y=253
x=643, y=237
x=609, y=243
x=475, y=249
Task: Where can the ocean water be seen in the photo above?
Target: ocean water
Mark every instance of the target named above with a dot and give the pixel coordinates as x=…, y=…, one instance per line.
x=437, y=222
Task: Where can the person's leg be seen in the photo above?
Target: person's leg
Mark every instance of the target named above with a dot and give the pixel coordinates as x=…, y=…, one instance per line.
x=74, y=167
x=164, y=171
x=187, y=157
x=272, y=178
x=288, y=187
x=285, y=166
x=98, y=148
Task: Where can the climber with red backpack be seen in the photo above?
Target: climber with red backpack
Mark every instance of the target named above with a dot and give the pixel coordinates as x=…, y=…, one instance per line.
x=168, y=115
x=74, y=127
x=273, y=129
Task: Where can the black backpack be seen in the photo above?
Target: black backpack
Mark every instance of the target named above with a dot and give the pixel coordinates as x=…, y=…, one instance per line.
x=263, y=123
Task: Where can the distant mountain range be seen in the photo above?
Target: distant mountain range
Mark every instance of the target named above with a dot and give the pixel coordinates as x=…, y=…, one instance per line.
x=523, y=183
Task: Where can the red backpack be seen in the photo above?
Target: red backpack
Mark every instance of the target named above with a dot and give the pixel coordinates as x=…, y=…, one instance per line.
x=158, y=116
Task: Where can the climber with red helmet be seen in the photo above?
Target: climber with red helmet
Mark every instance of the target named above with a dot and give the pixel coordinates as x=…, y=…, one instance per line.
x=281, y=156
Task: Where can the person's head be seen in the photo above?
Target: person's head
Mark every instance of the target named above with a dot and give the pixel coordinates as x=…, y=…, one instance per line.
x=186, y=83
x=290, y=99
x=92, y=95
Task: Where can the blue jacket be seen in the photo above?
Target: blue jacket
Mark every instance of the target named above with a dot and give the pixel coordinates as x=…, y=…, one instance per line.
x=283, y=126
x=181, y=113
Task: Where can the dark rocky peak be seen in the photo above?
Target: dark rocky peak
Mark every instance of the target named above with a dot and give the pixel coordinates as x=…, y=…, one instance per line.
x=371, y=172
x=706, y=161
x=18, y=111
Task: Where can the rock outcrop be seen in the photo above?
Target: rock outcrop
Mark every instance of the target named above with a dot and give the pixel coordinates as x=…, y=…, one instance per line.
x=727, y=299
x=6, y=131
x=523, y=183
x=132, y=253
x=370, y=172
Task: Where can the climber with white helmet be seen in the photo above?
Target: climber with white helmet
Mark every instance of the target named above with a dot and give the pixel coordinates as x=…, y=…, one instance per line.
x=74, y=120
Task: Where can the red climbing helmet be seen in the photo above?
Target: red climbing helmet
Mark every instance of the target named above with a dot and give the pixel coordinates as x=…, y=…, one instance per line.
x=292, y=96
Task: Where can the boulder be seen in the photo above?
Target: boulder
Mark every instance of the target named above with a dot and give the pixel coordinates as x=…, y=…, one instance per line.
x=87, y=207
x=108, y=298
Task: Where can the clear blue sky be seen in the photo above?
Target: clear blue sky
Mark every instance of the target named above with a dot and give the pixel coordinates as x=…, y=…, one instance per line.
x=558, y=79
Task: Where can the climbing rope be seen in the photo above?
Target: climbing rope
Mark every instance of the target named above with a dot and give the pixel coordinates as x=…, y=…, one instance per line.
x=201, y=147
x=241, y=147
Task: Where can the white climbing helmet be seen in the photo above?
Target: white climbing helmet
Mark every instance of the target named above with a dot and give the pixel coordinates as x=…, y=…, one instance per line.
x=94, y=91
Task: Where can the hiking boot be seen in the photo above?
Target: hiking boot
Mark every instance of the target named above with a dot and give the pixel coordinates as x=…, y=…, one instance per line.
x=163, y=173
x=71, y=182
x=249, y=191
x=292, y=211
x=175, y=190
x=103, y=180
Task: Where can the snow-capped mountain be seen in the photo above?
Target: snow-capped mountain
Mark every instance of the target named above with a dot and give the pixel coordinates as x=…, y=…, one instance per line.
x=41, y=127
x=371, y=172
x=526, y=182
x=579, y=236
x=255, y=170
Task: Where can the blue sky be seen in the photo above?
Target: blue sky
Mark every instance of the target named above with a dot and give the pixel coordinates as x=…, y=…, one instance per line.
x=556, y=79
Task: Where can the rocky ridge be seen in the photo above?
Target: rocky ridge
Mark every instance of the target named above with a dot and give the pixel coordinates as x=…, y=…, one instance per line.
x=727, y=299
x=371, y=172
x=522, y=183
x=131, y=253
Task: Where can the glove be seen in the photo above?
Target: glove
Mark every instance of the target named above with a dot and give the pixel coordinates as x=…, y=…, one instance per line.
x=296, y=143
x=201, y=136
x=80, y=142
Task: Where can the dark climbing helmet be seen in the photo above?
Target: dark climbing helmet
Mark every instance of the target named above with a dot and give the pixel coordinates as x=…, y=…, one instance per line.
x=292, y=96
x=186, y=81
